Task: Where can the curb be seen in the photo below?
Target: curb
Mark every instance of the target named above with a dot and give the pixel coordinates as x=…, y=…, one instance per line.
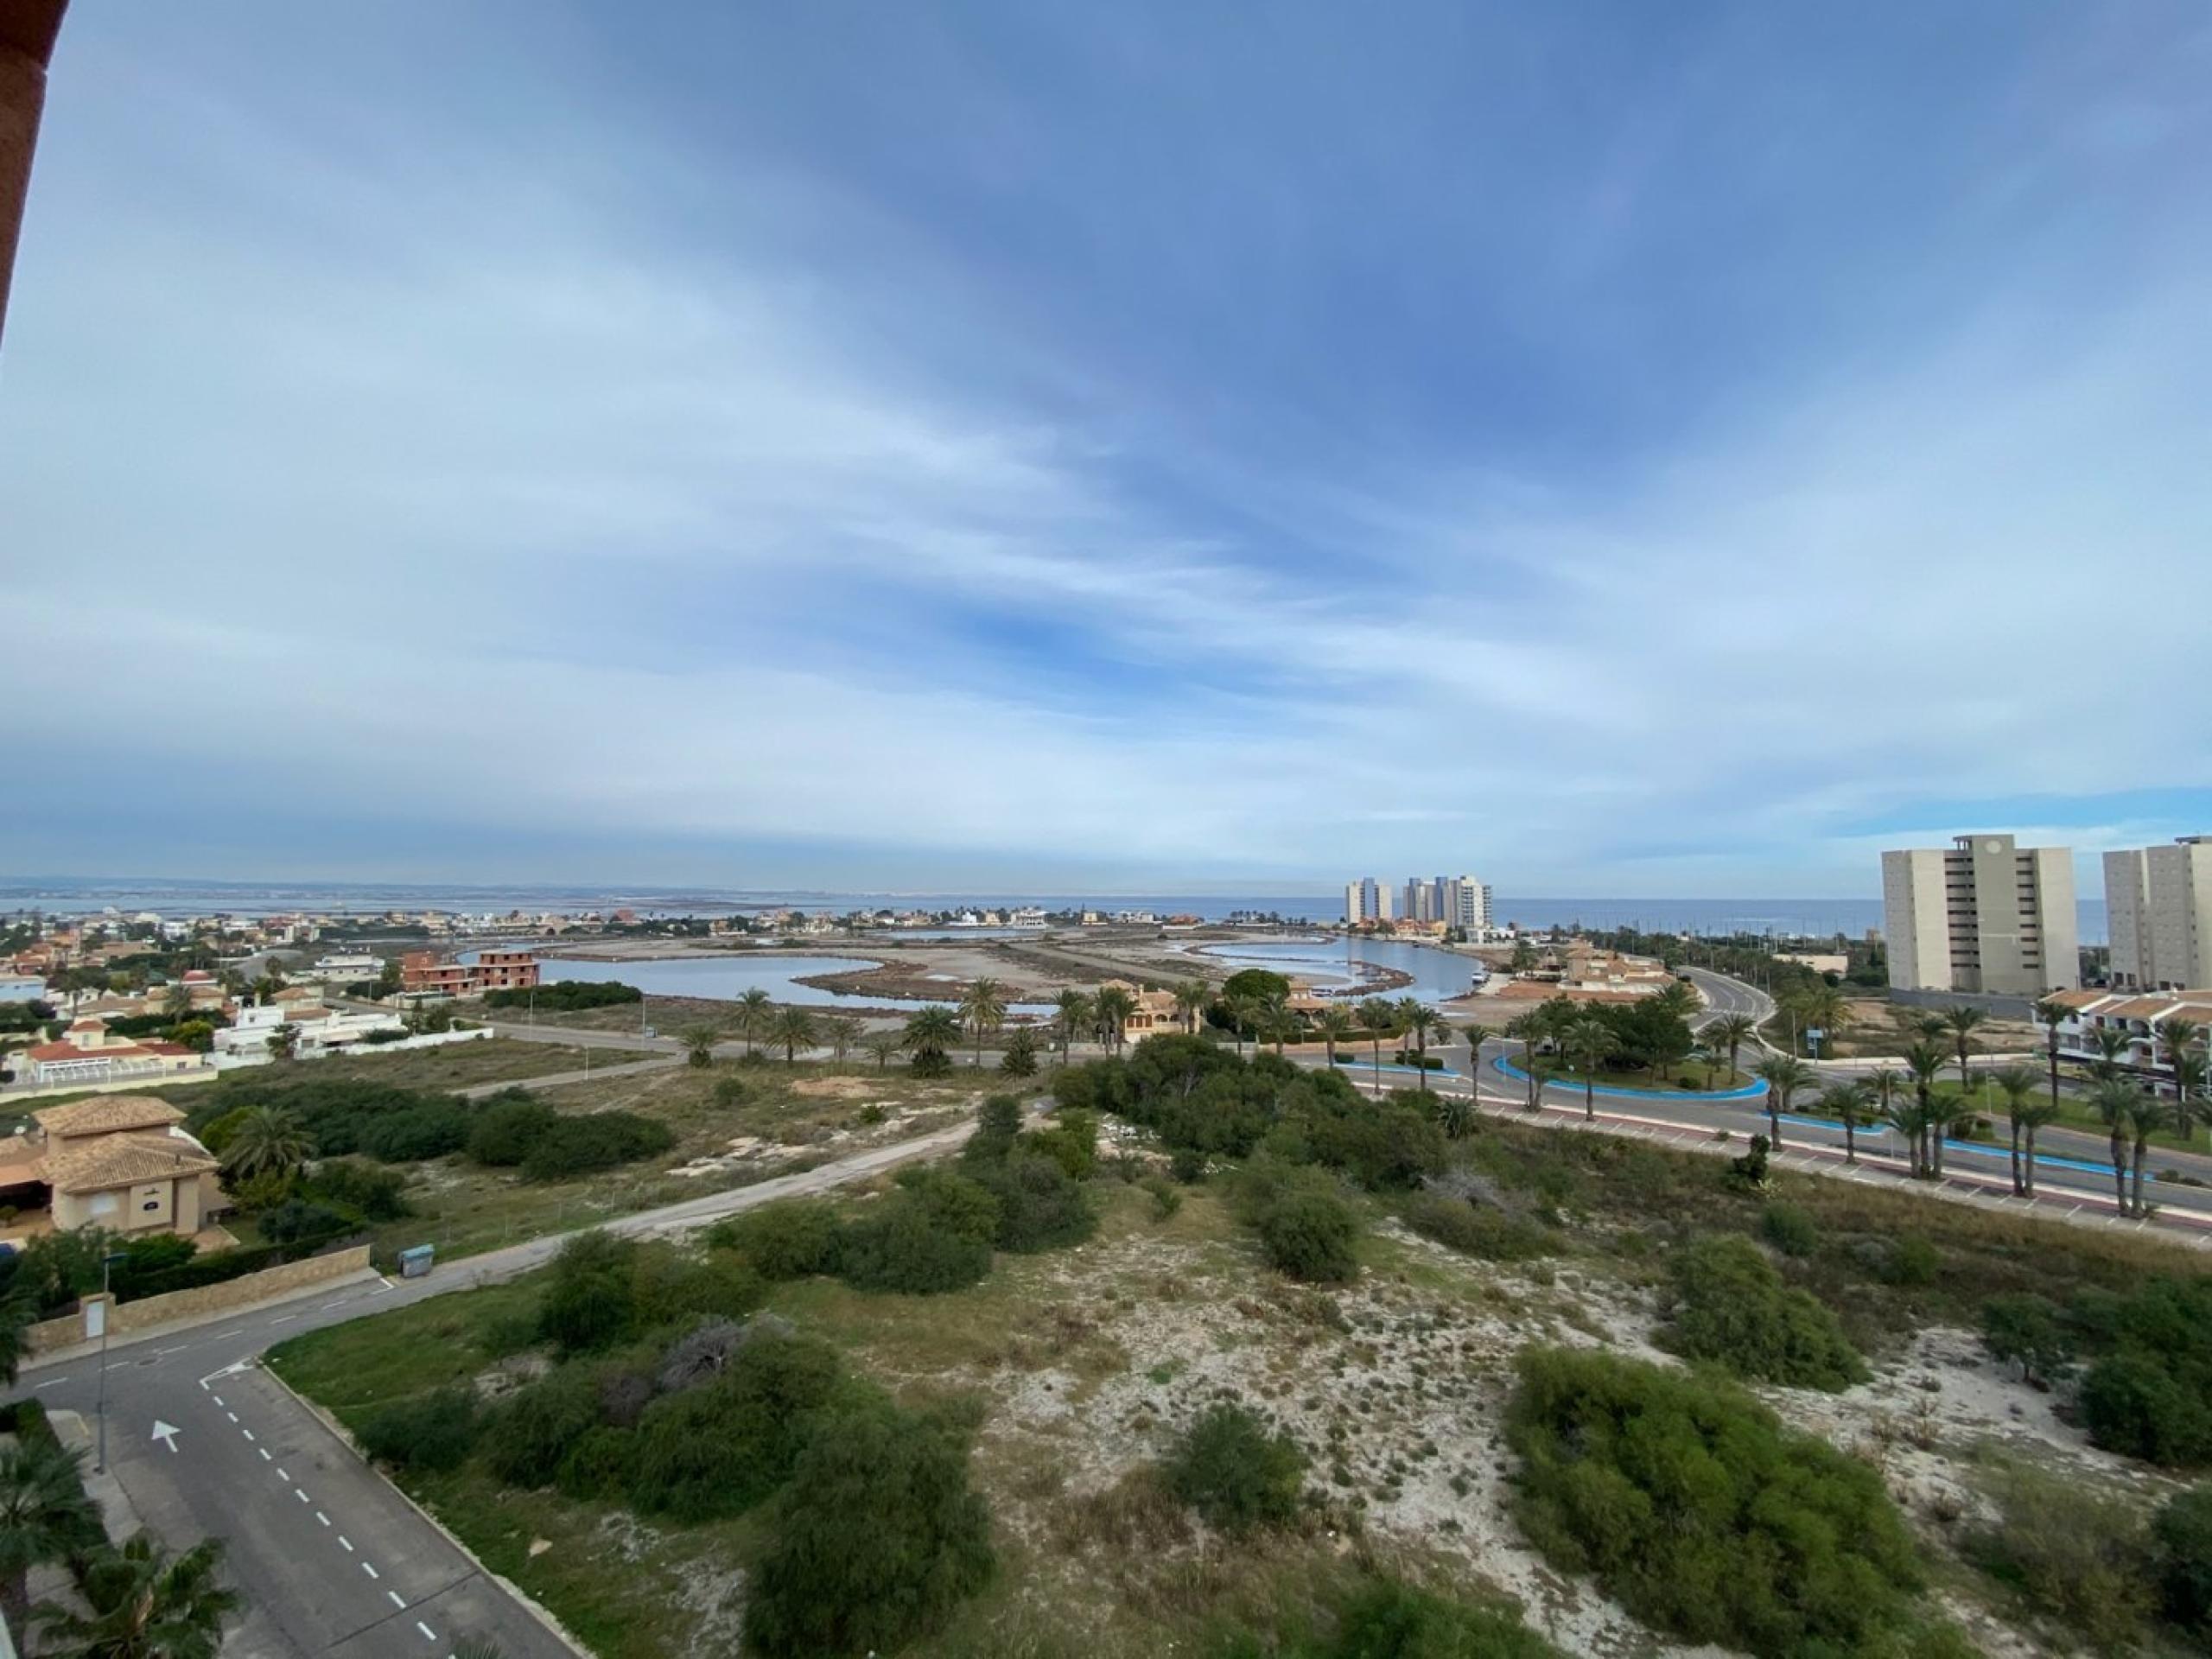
x=344, y=1437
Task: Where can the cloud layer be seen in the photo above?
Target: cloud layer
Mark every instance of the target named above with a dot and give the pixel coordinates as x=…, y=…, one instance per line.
x=474, y=442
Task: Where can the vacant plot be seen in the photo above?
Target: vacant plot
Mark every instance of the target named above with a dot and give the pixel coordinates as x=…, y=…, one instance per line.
x=461, y=1065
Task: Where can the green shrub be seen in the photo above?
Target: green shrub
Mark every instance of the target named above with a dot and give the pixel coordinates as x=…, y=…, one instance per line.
x=1914, y=1261
x=876, y=1539
x=506, y=1127
x=792, y=1238
x=718, y=1449
x=1478, y=1229
x=527, y=1435
x=668, y=1288
x=1040, y=1207
x=567, y=996
x=2181, y=1542
x=1732, y=1306
x=1166, y=1200
x=579, y=1144
x=1071, y=1142
x=1187, y=1165
x=2026, y=1331
x=1236, y=1471
x=591, y=1302
x=1382, y=1618
x=601, y=1463
x=434, y=1431
x=731, y=1091
x=2132, y=1403
x=2077, y=1555
x=901, y=1244
x=1701, y=1514
x=296, y=1219
x=1309, y=1236
x=352, y=1184
x=1789, y=1230
x=956, y=1201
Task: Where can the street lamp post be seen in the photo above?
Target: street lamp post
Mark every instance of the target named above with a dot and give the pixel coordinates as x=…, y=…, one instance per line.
x=108, y=1259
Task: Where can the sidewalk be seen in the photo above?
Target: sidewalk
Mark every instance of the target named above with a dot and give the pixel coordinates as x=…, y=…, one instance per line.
x=118, y=1342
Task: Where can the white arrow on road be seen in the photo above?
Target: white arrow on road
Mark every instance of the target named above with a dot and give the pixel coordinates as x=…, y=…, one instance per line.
x=165, y=1432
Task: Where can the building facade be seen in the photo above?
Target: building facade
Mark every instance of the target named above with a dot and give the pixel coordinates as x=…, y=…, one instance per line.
x=89, y=1053
x=1366, y=902
x=1983, y=915
x=425, y=973
x=2158, y=901
x=2143, y=1018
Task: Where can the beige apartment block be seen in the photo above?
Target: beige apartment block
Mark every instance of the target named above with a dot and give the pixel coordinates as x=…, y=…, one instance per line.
x=2160, y=903
x=1983, y=915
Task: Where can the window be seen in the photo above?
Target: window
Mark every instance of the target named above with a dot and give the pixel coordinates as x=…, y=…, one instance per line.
x=102, y=1203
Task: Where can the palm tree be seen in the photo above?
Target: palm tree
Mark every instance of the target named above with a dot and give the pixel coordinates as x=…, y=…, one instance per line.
x=1589, y=1039
x=144, y=1605
x=1528, y=1030
x=2118, y=1102
x=1335, y=1026
x=2050, y=1012
x=1190, y=999
x=2115, y=1048
x=2033, y=1116
x=44, y=1516
x=2190, y=1071
x=1819, y=1008
x=699, y=1045
x=754, y=1010
x=1731, y=1031
x=2177, y=1037
x=1112, y=1007
x=1376, y=1017
x=1419, y=1022
x=1924, y=1062
x=1961, y=1021
x=1675, y=998
x=1074, y=1014
x=1019, y=1060
x=882, y=1045
x=268, y=1141
x=1476, y=1034
x=1454, y=1115
x=841, y=1032
x=931, y=1033
x=1784, y=1075
x=794, y=1029
x=1909, y=1116
x=1274, y=1013
x=1847, y=1102
x=2019, y=1084
x=982, y=1007
x=18, y=1313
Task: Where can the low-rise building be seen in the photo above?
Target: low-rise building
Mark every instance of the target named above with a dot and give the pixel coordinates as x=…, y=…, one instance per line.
x=315, y=1031
x=88, y=1053
x=345, y=967
x=121, y=1162
x=425, y=973
x=1150, y=1012
x=2142, y=1015
x=22, y=988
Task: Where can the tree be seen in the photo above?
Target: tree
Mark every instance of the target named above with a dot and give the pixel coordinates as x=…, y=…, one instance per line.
x=1847, y=1103
x=1419, y=1021
x=1074, y=1014
x=1235, y=1470
x=983, y=1009
x=1476, y=1034
x=266, y=1141
x=1528, y=1030
x=1455, y=1116
x=794, y=1029
x=1963, y=1021
x=1523, y=958
x=699, y=1045
x=1784, y=1075
x=1336, y=1026
x=44, y=1516
x=143, y=1605
x=1923, y=1063
x=754, y=1011
x=2179, y=1038
x=2117, y=1103
x=2050, y=1012
x=1587, y=1042
x=1019, y=1060
x=930, y=1034
x=18, y=1313
x=2019, y=1085
x=1190, y=999
x=283, y=1043
x=1112, y=1007
x=177, y=1002
x=840, y=1031
x=2115, y=1050
x=883, y=1044
x=1731, y=1031
x=1376, y=1018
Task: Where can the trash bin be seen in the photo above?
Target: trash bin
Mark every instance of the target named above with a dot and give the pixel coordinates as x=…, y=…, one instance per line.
x=415, y=1262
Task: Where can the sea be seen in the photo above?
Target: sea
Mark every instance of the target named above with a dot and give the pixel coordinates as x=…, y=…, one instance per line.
x=84, y=895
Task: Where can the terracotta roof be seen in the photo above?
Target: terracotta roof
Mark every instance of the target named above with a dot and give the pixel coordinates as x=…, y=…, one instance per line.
x=108, y=1115
x=124, y=1160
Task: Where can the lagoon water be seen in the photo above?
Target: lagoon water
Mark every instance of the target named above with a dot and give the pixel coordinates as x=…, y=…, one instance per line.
x=1330, y=964
x=729, y=977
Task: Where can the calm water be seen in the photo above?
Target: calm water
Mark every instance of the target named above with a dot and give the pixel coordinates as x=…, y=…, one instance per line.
x=1329, y=964
x=730, y=977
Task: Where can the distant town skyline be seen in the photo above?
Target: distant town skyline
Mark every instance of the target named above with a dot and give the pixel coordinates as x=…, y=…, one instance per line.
x=1647, y=450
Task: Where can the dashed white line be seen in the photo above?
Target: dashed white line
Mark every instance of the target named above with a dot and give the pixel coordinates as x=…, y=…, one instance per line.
x=281, y=1475
x=233, y=1416
x=302, y=1492
x=163, y=1353
x=247, y=1433
x=264, y=1450
x=56, y=1383
x=371, y=1570
x=320, y=1516
x=285, y=1318
x=344, y=1540
x=397, y=1600
x=428, y=1635
x=340, y=1302
x=218, y=1399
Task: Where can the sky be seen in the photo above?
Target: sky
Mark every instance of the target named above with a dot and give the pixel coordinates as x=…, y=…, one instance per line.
x=1602, y=447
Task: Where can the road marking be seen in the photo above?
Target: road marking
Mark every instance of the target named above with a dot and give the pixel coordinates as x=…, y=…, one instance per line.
x=239, y=1331
x=56, y=1383
x=264, y=1450
x=340, y=1302
x=162, y=1353
x=302, y=1492
x=371, y=1570
x=281, y=1475
x=218, y=1399
x=285, y=1318
x=397, y=1600
x=428, y=1635
x=320, y=1516
x=247, y=1433
x=233, y=1416
x=344, y=1540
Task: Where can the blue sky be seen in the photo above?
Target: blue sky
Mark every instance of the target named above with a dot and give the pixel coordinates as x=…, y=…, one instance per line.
x=1612, y=448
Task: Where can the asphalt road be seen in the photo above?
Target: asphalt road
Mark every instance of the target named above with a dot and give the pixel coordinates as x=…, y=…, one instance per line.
x=332, y=1559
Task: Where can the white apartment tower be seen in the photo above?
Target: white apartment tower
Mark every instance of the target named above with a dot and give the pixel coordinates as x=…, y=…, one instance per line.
x=1983, y=915
x=2159, y=901
x=1366, y=901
